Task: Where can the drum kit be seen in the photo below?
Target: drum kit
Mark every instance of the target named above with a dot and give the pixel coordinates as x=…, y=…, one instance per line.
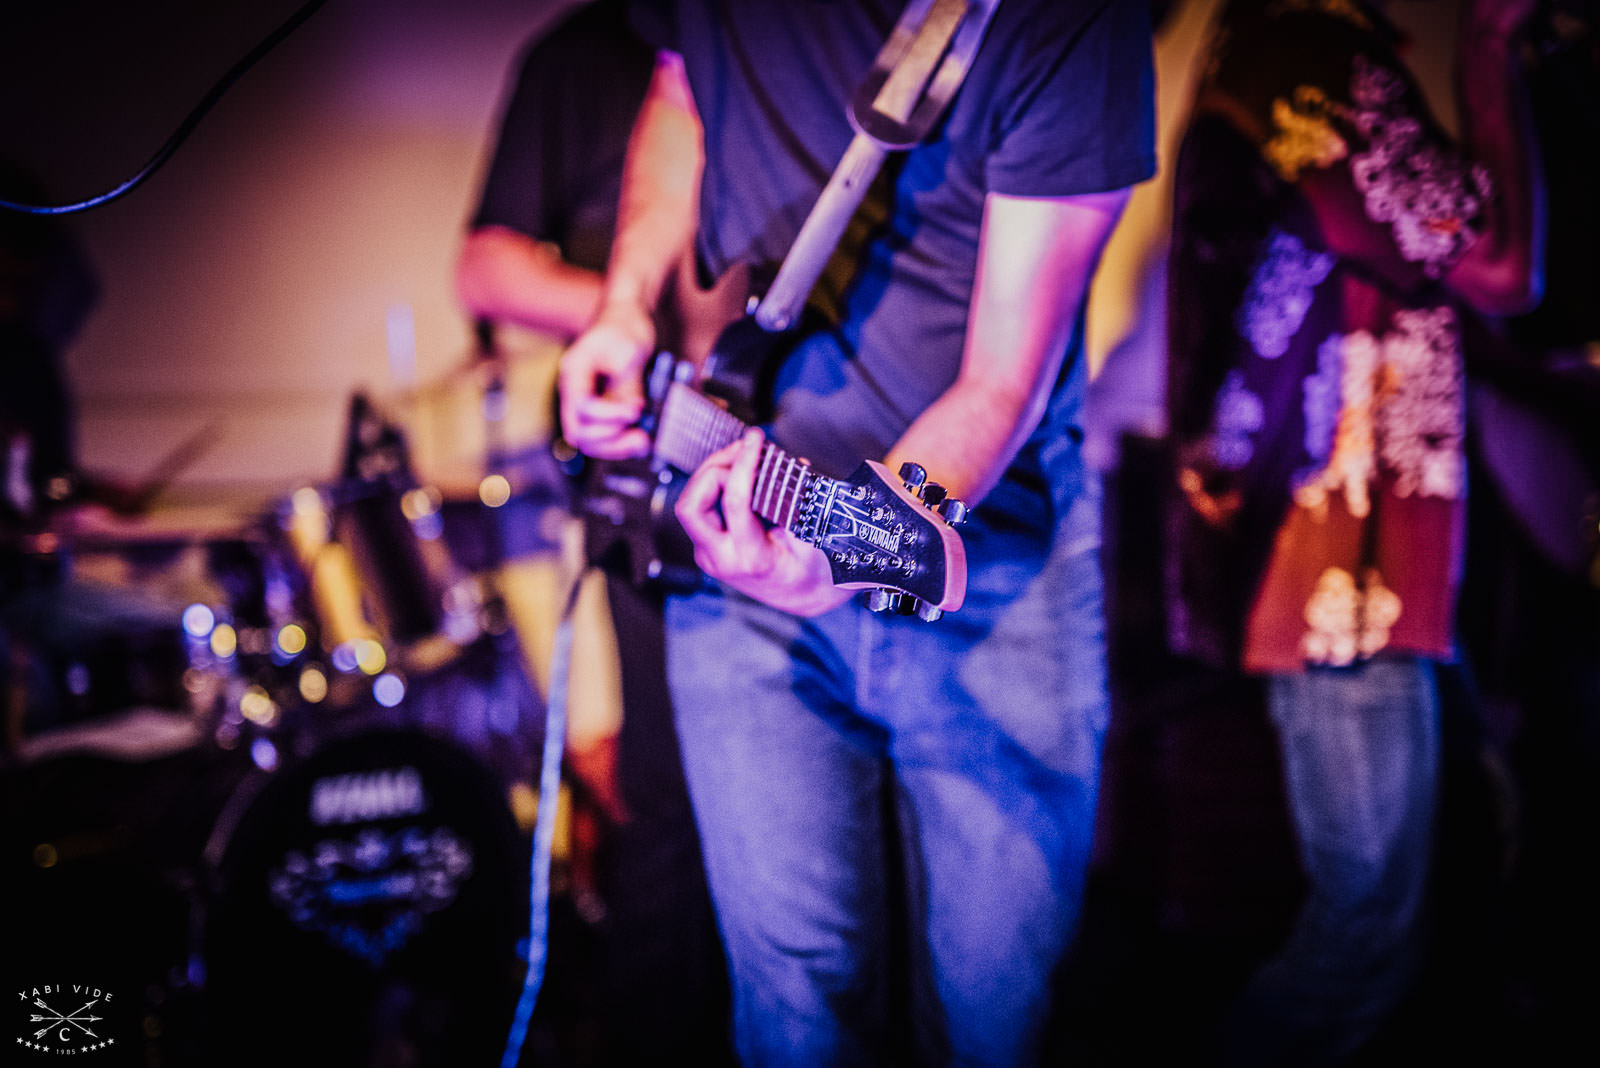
x=278, y=782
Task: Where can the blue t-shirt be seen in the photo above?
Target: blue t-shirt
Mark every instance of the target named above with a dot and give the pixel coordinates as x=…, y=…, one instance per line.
x=1059, y=102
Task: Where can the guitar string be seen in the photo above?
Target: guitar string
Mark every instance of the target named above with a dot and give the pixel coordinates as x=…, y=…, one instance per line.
x=698, y=427
x=786, y=489
x=796, y=468
x=788, y=495
x=701, y=430
x=769, y=456
x=706, y=428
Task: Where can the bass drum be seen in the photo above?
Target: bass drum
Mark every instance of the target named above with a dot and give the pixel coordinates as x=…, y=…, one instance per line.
x=366, y=908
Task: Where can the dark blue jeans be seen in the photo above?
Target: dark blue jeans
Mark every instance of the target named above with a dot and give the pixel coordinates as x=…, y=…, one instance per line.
x=1360, y=750
x=842, y=763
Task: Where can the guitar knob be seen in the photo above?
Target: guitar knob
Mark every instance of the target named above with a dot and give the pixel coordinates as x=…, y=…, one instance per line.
x=932, y=494
x=913, y=474
x=928, y=612
x=953, y=511
x=881, y=600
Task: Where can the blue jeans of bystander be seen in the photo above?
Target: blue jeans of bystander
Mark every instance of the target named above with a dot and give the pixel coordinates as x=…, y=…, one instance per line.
x=1360, y=748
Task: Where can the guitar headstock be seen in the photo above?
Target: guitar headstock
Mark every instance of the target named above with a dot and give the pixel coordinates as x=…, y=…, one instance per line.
x=895, y=538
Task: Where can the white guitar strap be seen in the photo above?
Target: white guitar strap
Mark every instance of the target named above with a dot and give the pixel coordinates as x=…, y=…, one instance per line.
x=918, y=70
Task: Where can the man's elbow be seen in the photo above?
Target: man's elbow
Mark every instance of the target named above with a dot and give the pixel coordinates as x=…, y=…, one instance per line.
x=475, y=274
x=495, y=267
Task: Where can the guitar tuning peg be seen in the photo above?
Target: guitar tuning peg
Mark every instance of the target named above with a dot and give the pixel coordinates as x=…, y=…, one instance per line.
x=932, y=494
x=953, y=510
x=881, y=600
x=927, y=612
x=913, y=474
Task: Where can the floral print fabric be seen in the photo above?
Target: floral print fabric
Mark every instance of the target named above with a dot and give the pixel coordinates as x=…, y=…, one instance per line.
x=1315, y=381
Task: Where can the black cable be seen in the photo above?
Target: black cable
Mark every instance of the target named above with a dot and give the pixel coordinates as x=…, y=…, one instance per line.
x=185, y=128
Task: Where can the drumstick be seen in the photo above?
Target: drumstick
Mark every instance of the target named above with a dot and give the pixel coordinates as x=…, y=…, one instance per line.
x=172, y=464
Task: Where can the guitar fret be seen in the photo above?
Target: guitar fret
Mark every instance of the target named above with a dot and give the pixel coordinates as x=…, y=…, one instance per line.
x=794, y=498
x=764, y=482
x=780, y=488
x=784, y=499
x=799, y=471
x=785, y=508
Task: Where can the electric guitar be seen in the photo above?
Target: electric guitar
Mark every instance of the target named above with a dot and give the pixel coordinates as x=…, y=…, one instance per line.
x=893, y=537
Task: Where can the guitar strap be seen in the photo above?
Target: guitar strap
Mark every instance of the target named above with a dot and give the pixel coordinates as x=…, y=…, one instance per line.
x=917, y=71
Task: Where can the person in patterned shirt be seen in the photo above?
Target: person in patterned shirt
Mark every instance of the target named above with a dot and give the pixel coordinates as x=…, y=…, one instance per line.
x=1328, y=239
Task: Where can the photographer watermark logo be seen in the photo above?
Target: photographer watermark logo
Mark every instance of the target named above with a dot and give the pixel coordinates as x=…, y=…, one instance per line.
x=66, y=1019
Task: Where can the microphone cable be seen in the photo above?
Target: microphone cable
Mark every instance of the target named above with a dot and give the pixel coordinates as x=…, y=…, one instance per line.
x=185, y=128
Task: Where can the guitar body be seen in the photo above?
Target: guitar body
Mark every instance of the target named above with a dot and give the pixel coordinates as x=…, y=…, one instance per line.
x=742, y=369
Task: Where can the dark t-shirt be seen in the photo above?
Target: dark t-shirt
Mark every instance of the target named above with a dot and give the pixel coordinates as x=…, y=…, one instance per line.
x=578, y=88
x=1058, y=103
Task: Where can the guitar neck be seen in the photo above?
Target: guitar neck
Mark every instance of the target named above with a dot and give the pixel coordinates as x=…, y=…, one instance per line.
x=878, y=532
x=692, y=427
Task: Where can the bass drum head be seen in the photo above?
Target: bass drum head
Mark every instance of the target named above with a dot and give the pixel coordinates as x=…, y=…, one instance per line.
x=367, y=909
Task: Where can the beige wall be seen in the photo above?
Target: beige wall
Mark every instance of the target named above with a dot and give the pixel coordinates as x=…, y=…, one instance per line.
x=302, y=233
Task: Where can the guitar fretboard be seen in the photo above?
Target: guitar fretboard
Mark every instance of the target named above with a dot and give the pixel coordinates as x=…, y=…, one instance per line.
x=692, y=426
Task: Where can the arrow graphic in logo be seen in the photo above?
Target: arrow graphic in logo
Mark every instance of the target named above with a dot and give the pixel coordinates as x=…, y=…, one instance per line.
x=76, y=1019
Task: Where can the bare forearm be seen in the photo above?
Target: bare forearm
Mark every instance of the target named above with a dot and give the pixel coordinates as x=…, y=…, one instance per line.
x=661, y=182
x=1502, y=273
x=508, y=277
x=1035, y=262
x=601, y=378
x=967, y=437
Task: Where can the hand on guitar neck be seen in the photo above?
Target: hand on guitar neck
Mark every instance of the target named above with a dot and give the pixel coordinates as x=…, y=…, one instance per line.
x=760, y=520
x=736, y=546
